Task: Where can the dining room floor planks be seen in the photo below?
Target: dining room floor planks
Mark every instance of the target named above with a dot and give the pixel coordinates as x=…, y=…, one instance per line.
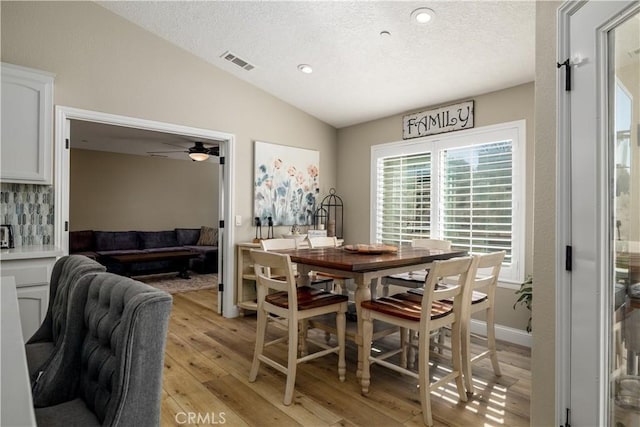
x=201, y=340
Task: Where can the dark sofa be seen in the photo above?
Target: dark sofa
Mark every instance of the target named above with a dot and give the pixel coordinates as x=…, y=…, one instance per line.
x=99, y=244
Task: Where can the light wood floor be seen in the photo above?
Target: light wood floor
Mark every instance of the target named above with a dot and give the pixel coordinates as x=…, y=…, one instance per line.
x=206, y=373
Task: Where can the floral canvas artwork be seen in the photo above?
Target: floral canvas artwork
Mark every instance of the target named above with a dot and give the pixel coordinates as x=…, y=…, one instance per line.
x=286, y=184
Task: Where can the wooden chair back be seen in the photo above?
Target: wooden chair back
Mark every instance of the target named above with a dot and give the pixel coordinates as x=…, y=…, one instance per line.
x=264, y=263
x=486, y=279
x=323, y=242
x=459, y=273
x=443, y=245
x=277, y=244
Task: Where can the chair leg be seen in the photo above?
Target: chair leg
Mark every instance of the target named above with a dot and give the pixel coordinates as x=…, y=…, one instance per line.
x=385, y=290
x=424, y=378
x=411, y=337
x=491, y=341
x=441, y=335
x=456, y=353
x=292, y=362
x=261, y=331
x=404, y=346
x=341, y=320
x=367, y=336
x=302, y=337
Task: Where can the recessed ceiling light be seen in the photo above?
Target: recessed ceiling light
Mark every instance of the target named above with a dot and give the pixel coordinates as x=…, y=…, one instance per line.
x=305, y=68
x=385, y=34
x=422, y=15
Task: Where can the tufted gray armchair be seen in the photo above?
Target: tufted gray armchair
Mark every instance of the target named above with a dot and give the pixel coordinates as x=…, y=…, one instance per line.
x=108, y=369
x=64, y=276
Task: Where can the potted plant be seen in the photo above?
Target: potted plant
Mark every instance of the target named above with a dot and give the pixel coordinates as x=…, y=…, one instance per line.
x=526, y=297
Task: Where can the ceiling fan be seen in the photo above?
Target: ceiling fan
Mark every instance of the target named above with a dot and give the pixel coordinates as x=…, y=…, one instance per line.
x=197, y=153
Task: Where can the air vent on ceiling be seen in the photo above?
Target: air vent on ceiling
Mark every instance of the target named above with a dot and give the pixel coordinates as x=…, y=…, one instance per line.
x=238, y=61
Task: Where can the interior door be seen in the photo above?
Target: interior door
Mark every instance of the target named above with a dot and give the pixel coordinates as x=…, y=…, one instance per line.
x=605, y=217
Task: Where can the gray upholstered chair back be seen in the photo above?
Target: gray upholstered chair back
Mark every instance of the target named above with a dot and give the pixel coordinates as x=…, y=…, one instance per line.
x=64, y=276
x=112, y=351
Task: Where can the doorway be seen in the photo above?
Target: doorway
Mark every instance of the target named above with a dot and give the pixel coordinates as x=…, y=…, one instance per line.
x=64, y=116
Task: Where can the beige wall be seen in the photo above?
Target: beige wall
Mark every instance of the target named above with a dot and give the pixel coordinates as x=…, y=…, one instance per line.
x=543, y=363
x=104, y=63
x=354, y=158
x=119, y=192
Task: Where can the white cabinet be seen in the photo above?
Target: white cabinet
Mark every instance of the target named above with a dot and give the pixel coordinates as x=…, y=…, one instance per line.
x=32, y=277
x=245, y=277
x=32, y=304
x=27, y=132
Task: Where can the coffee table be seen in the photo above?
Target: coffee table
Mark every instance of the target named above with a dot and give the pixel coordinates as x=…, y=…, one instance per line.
x=181, y=259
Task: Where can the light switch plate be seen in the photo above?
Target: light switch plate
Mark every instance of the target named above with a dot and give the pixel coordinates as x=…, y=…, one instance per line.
x=238, y=220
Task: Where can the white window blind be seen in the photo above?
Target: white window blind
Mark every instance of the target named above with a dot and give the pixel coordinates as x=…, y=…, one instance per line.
x=404, y=198
x=476, y=198
x=467, y=187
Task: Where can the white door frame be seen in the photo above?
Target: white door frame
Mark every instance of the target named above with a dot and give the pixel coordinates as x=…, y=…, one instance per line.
x=63, y=115
x=590, y=256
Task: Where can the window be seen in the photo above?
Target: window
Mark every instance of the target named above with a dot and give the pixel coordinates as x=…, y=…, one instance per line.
x=466, y=187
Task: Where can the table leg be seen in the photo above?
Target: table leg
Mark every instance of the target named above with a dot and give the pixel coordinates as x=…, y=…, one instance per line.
x=363, y=293
x=184, y=270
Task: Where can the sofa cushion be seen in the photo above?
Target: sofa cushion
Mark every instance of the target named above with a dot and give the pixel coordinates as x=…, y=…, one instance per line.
x=187, y=236
x=81, y=241
x=208, y=236
x=158, y=239
x=89, y=254
x=116, y=240
x=201, y=249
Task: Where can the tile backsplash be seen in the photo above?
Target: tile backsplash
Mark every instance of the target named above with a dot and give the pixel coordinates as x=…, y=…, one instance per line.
x=29, y=209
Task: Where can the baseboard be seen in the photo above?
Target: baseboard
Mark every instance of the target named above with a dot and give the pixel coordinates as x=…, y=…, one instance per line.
x=503, y=333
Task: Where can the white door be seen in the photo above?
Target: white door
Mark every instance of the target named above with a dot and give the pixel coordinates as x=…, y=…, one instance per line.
x=604, y=104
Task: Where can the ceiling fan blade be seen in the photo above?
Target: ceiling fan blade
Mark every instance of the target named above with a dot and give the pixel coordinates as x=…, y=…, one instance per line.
x=174, y=151
x=174, y=145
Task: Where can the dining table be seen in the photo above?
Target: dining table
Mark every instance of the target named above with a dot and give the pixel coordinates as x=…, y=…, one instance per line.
x=366, y=268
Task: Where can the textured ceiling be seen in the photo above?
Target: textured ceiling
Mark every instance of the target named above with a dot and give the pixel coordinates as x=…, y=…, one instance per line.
x=470, y=48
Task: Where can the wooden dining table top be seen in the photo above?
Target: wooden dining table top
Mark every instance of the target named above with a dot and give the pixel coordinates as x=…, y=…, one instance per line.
x=340, y=259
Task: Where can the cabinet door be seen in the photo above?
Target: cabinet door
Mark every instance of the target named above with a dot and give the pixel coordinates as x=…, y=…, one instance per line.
x=32, y=303
x=27, y=115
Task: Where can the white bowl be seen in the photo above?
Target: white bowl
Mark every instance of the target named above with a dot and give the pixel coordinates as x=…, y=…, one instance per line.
x=298, y=237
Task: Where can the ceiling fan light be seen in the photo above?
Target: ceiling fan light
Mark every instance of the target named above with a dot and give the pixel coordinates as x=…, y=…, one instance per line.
x=199, y=157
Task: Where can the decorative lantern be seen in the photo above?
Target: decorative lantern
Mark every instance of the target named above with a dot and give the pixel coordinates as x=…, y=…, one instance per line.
x=332, y=204
x=320, y=218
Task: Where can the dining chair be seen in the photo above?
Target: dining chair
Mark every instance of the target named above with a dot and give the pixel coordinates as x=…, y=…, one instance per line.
x=284, y=244
x=414, y=279
x=423, y=314
x=280, y=297
x=483, y=298
x=340, y=281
